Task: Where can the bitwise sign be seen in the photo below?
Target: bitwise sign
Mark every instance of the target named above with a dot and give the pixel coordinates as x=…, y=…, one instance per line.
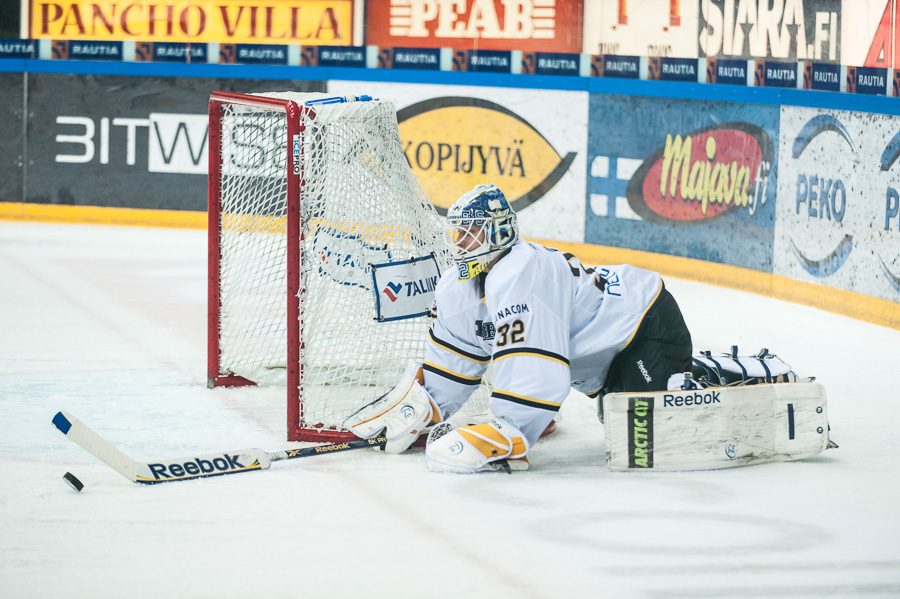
x=115, y=147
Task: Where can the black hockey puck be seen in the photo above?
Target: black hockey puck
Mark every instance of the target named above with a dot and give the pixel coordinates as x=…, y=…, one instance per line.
x=73, y=482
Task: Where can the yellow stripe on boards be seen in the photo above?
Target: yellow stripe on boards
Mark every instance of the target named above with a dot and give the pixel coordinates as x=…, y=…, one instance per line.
x=97, y=215
x=847, y=303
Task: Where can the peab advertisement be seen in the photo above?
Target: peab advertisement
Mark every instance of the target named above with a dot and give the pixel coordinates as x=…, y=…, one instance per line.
x=527, y=25
x=685, y=178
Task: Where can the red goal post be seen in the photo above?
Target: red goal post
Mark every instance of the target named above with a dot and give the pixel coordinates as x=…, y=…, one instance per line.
x=308, y=195
x=215, y=377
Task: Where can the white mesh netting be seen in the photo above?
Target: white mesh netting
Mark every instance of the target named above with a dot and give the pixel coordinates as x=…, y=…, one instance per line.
x=360, y=205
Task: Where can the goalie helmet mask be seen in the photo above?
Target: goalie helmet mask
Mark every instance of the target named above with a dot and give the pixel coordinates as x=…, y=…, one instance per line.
x=482, y=226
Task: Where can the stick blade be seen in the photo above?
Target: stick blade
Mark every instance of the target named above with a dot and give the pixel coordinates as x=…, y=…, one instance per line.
x=81, y=435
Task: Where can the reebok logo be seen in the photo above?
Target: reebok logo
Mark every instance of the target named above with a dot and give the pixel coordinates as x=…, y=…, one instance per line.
x=227, y=463
x=691, y=399
x=328, y=448
x=646, y=375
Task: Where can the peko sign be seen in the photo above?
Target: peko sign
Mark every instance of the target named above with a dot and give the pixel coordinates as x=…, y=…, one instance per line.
x=839, y=200
x=308, y=22
x=527, y=25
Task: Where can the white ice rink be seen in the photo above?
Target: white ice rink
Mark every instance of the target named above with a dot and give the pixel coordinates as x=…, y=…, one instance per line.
x=109, y=324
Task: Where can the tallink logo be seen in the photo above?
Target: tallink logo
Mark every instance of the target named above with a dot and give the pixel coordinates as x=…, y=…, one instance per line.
x=392, y=291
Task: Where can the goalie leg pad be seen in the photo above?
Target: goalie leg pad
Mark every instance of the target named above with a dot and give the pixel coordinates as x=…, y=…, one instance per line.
x=716, y=427
x=491, y=446
x=403, y=413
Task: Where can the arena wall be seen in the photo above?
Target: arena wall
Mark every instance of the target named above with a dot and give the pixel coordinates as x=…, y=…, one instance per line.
x=781, y=191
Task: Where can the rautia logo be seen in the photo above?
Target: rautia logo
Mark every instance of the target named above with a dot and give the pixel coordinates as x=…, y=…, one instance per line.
x=703, y=175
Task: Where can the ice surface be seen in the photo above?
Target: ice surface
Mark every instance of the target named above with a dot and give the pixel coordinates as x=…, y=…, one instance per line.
x=109, y=323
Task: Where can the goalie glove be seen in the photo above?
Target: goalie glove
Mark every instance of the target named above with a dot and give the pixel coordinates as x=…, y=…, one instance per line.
x=492, y=446
x=403, y=413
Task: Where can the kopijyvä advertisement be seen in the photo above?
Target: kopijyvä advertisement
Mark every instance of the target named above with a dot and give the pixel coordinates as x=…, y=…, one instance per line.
x=529, y=143
x=681, y=177
x=838, y=217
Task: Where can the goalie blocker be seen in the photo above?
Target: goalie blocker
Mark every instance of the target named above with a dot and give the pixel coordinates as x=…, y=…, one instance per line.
x=716, y=427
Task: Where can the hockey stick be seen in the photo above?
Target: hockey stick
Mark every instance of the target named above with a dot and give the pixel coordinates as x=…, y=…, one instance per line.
x=218, y=464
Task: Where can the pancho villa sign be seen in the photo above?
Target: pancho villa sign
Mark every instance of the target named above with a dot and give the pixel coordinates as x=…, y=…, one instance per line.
x=309, y=22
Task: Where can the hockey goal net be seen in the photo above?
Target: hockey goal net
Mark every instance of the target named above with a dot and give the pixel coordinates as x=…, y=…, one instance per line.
x=306, y=193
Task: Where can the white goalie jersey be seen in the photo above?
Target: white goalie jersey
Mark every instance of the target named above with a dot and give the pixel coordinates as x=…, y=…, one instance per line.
x=547, y=322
